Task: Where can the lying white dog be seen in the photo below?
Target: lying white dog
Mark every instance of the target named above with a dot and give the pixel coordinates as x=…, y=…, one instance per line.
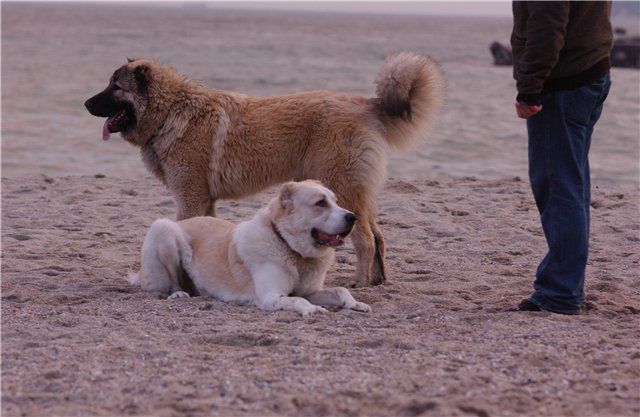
x=278, y=260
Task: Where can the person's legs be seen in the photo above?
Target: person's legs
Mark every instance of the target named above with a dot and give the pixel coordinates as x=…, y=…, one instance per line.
x=559, y=141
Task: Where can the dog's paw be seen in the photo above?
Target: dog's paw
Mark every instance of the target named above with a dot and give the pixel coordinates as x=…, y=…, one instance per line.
x=361, y=282
x=362, y=307
x=178, y=294
x=311, y=309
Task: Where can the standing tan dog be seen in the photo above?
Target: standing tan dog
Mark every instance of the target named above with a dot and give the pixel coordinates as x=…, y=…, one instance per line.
x=207, y=144
x=278, y=260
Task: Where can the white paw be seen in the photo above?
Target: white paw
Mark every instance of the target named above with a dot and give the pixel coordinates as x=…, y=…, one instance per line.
x=311, y=309
x=358, y=306
x=178, y=294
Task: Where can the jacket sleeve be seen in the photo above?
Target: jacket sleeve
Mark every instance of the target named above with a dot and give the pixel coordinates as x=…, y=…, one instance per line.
x=545, y=37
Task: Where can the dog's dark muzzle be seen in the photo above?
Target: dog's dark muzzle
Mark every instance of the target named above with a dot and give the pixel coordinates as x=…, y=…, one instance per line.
x=119, y=113
x=102, y=104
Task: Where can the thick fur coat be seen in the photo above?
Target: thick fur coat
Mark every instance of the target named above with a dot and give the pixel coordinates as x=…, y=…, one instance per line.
x=277, y=260
x=207, y=144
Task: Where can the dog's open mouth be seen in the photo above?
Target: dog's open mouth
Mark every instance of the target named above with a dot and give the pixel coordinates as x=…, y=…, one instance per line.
x=119, y=122
x=325, y=239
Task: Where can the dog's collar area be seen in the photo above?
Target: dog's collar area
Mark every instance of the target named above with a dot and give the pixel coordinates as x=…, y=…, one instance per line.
x=277, y=232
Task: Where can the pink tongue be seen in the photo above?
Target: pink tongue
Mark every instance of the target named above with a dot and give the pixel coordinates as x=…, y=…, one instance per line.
x=105, y=129
x=331, y=240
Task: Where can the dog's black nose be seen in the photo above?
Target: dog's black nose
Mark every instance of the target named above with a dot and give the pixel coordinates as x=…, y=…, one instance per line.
x=350, y=218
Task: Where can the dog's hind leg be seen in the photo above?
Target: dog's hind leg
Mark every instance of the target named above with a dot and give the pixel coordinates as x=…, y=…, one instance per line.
x=378, y=273
x=366, y=235
x=162, y=264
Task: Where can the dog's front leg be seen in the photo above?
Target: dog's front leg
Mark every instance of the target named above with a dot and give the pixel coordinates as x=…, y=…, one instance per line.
x=272, y=289
x=191, y=193
x=194, y=205
x=211, y=211
x=284, y=302
x=338, y=296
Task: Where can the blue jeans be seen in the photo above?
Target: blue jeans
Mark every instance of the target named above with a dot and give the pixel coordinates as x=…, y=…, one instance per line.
x=559, y=141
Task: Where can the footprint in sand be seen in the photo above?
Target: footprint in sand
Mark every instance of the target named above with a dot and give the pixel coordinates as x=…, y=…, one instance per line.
x=54, y=268
x=11, y=297
x=370, y=343
x=473, y=410
x=29, y=257
x=418, y=408
x=420, y=272
x=502, y=260
x=165, y=203
x=404, y=187
x=130, y=192
x=606, y=287
x=20, y=237
x=401, y=225
x=68, y=228
x=242, y=340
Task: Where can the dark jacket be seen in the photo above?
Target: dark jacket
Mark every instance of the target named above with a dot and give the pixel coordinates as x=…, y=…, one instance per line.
x=559, y=45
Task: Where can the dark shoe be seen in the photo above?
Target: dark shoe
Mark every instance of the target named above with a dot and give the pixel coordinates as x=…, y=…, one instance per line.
x=526, y=305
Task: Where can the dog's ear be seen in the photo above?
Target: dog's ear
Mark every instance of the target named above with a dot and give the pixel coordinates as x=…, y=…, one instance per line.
x=286, y=196
x=142, y=74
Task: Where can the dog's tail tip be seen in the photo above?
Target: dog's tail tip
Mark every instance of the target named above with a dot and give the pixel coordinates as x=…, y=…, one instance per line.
x=410, y=89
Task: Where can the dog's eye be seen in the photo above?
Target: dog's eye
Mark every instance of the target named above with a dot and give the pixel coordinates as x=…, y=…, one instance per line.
x=322, y=203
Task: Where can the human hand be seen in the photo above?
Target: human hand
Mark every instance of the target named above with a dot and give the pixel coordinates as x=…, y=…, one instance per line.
x=525, y=110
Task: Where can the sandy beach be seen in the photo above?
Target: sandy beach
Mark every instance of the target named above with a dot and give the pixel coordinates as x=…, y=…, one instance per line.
x=77, y=339
x=461, y=227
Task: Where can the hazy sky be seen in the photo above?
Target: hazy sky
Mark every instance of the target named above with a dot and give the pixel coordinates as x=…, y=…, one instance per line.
x=441, y=7
x=429, y=7
x=476, y=8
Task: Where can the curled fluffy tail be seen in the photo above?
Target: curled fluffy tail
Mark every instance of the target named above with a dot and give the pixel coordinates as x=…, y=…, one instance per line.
x=410, y=91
